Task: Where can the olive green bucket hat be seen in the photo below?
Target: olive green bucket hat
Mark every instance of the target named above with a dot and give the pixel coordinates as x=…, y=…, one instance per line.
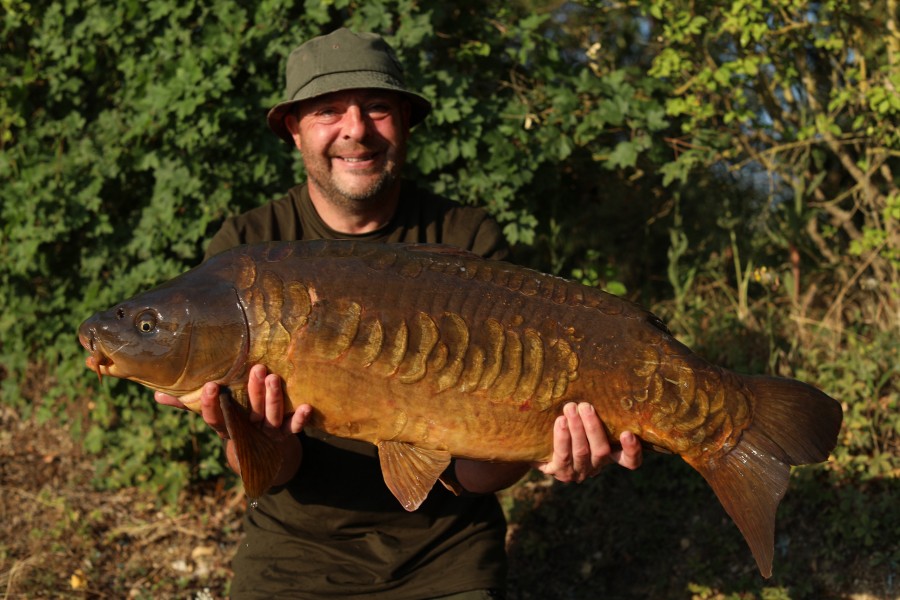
x=342, y=60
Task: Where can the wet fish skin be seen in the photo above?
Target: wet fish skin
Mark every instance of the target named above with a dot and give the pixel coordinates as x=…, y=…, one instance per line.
x=432, y=353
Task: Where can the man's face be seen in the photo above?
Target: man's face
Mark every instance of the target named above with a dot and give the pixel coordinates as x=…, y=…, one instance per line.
x=353, y=144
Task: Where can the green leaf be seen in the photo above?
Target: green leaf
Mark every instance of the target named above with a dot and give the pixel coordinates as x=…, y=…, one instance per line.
x=623, y=155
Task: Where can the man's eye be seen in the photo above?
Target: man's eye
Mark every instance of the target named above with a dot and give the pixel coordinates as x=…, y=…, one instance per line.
x=378, y=109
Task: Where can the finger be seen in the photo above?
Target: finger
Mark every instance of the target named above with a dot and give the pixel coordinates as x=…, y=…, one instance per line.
x=560, y=464
x=299, y=419
x=256, y=392
x=210, y=409
x=631, y=455
x=597, y=440
x=274, y=400
x=168, y=400
x=581, y=451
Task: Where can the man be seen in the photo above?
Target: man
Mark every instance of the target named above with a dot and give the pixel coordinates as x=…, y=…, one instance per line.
x=329, y=527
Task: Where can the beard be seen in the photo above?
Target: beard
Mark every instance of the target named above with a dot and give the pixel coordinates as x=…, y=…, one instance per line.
x=355, y=192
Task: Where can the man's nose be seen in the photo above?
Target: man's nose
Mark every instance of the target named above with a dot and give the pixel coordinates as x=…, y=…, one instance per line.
x=355, y=124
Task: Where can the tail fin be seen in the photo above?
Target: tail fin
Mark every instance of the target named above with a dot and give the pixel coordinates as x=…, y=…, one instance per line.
x=793, y=424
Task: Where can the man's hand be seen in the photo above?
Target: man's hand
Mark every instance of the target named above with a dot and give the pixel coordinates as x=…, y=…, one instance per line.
x=266, y=404
x=581, y=447
x=266, y=409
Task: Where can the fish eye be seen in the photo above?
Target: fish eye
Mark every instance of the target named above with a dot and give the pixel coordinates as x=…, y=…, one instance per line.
x=146, y=322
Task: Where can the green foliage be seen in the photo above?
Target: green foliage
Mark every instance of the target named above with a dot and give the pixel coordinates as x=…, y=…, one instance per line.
x=786, y=104
x=129, y=133
x=806, y=92
x=870, y=447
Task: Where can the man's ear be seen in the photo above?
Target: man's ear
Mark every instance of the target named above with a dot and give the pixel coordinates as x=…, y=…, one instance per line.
x=292, y=123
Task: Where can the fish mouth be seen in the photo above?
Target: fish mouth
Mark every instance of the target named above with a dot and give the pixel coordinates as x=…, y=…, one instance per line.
x=98, y=361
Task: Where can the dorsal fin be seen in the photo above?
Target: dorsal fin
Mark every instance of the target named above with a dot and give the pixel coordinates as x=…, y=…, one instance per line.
x=443, y=249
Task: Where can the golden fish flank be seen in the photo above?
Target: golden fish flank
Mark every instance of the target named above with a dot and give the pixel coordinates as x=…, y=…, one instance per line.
x=504, y=362
x=431, y=353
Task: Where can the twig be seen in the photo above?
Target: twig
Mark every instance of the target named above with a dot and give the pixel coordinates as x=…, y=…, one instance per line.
x=846, y=287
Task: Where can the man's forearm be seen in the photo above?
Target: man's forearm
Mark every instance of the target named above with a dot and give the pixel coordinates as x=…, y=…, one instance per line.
x=485, y=477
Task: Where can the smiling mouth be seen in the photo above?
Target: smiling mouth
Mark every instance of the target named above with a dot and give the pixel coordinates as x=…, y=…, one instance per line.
x=356, y=153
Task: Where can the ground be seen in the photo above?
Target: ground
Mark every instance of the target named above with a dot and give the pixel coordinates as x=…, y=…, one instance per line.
x=654, y=534
x=61, y=537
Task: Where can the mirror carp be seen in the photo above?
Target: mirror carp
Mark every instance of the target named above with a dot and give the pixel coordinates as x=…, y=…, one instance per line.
x=431, y=353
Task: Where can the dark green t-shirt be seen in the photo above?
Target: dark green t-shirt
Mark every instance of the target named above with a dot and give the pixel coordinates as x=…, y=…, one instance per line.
x=335, y=530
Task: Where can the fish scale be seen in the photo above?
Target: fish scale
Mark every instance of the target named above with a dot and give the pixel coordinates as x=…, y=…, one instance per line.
x=432, y=353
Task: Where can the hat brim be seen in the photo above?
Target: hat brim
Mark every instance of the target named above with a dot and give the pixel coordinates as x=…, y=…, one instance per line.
x=339, y=82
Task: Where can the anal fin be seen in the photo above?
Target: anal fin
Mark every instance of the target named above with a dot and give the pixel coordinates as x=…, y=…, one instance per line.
x=258, y=454
x=410, y=471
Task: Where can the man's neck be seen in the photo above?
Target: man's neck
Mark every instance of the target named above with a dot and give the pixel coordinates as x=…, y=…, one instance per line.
x=347, y=216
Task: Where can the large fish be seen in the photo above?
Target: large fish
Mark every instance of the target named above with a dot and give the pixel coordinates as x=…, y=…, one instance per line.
x=431, y=353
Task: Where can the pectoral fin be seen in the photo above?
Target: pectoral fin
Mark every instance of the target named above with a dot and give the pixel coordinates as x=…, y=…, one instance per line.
x=410, y=471
x=257, y=453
